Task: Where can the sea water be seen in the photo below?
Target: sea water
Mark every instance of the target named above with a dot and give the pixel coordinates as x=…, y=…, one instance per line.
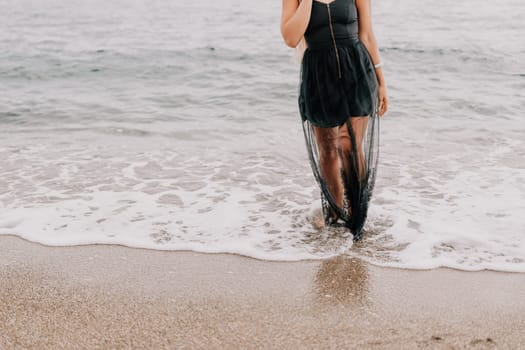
x=174, y=125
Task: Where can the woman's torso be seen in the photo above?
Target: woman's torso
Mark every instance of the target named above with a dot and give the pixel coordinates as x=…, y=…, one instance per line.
x=343, y=17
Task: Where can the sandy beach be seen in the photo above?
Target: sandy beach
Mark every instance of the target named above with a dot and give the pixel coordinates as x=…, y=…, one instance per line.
x=102, y=297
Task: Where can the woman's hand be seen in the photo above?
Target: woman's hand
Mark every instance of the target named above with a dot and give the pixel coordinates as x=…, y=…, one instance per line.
x=383, y=100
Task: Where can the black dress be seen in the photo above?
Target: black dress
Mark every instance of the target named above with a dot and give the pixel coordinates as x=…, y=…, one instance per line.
x=338, y=82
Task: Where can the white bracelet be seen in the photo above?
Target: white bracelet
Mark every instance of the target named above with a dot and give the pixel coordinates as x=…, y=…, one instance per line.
x=379, y=65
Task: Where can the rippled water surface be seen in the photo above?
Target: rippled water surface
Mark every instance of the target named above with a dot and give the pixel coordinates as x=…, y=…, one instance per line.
x=174, y=125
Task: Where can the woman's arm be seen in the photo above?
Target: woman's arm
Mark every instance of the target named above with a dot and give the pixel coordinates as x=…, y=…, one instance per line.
x=367, y=37
x=294, y=20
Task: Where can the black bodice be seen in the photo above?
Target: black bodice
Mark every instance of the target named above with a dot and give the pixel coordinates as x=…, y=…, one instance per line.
x=336, y=20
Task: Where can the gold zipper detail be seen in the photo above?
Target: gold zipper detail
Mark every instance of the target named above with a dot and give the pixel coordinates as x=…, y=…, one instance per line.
x=333, y=40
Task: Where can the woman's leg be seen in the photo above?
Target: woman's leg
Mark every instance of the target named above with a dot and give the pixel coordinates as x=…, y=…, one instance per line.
x=352, y=160
x=345, y=147
x=358, y=125
x=327, y=141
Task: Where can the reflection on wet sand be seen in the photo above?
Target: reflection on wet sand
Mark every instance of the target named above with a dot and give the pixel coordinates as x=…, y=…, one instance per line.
x=342, y=280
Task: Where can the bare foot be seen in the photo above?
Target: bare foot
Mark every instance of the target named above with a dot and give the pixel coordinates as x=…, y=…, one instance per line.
x=317, y=220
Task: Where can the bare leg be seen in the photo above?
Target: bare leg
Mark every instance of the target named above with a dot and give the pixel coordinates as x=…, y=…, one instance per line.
x=345, y=146
x=327, y=140
x=353, y=163
x=359, y=125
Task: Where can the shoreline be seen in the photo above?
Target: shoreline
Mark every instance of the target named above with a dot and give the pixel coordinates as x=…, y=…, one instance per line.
x=101, y=296
x=245, y=256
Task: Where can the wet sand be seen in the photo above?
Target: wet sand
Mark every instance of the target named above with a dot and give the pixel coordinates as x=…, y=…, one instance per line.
x=101, y=297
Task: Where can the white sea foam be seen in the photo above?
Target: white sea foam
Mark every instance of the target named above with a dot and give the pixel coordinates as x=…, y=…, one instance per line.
x=160, y=200
x=142, y=138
